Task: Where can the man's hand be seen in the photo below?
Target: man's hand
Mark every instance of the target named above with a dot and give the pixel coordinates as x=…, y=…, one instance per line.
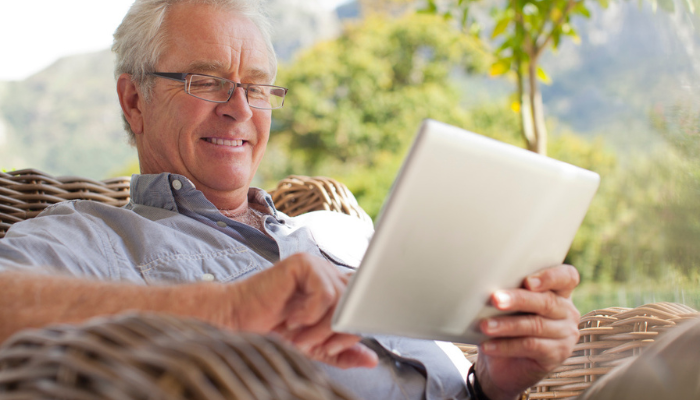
x=523, y=349
x=296, y=298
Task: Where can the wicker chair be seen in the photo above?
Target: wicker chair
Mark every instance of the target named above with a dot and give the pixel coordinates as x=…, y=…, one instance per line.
x=608, y=336
x=25, y=193
x=152, y=356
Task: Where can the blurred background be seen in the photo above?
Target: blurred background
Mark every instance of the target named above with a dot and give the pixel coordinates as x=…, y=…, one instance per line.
x=616, y=92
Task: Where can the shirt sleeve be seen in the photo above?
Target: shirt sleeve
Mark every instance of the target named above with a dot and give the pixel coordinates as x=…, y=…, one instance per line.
x=59, y=240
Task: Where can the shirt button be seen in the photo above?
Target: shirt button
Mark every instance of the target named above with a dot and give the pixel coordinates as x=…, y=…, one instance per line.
x=208, y=278
x=177, y=185
x=221, y=224
x=396, y=352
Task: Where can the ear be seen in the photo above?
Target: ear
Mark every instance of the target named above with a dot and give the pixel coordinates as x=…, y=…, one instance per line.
x=131, y=101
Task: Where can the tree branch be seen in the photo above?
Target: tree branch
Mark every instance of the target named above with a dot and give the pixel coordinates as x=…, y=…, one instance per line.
x=540, y=48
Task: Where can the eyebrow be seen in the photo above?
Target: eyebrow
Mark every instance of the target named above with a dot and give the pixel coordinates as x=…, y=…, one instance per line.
x=259, y=75
x=206, y=67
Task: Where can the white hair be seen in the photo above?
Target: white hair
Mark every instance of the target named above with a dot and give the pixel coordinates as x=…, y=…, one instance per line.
x=140, y=39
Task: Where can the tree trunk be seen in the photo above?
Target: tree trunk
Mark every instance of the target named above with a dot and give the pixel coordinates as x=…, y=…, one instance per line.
x=536, y=113
x=526, y=126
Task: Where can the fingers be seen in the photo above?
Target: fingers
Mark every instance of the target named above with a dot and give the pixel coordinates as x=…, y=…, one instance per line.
x=546, y=304
x=297, y=292
x=528, y=325
x=522, y=349
x=296, y=299
x=547, y=353
x=561, y=280
x=320, y=334
x=337, y=349
x=319, y=287
x=355, y=356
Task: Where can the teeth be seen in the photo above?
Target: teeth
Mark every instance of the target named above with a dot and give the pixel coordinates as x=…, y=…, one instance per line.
x=222, y=142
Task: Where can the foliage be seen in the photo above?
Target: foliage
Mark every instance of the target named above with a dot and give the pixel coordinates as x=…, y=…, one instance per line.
x=671, y=287
x=592, y=155
x=647, y=217
x=350, y=97
x=354, y=103
x=525, y=28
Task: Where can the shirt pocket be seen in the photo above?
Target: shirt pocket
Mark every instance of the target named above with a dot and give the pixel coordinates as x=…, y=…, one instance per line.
x=225, y=265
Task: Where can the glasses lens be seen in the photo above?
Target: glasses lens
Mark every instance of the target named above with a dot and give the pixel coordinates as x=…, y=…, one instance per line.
x=265, y=97
x=209, y=88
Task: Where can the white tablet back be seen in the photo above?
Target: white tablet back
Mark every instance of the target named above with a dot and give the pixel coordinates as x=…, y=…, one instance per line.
x=467, y=215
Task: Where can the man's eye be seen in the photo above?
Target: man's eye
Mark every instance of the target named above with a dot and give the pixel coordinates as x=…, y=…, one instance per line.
x=205, y=84
x=257, y=91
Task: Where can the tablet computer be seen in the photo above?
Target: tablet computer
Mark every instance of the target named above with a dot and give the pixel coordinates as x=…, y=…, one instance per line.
x=467, y=215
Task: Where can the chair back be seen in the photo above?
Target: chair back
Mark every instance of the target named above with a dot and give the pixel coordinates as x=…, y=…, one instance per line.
x=25, y=193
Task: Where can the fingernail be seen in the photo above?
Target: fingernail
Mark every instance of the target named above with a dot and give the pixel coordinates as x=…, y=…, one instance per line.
x=534, y=283
x=305, y=347
x=503, y=299
x=492, y=324
x=292, y=326
x=488, y=346
x=335, y=350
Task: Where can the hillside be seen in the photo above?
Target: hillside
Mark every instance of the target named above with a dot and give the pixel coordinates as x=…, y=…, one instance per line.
x=66, y=119
x=629, y=62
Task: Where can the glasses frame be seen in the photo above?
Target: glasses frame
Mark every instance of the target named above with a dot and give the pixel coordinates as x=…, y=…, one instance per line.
x=182, y=77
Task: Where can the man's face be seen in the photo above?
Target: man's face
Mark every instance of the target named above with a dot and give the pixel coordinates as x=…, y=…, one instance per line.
x=182, y=134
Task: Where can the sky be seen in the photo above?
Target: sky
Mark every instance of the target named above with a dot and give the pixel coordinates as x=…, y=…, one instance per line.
x=38, y=32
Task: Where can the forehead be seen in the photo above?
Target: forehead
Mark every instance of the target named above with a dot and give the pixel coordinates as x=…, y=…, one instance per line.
x=205, y=38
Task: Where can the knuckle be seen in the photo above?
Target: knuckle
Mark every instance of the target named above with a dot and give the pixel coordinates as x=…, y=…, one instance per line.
x=327, y=296
x=575, y=314
x=536, y=325
x=550, y=303
x=304, y=258
x=530, y=345
x=574, y=275
x=576, y=333
x=563, y=353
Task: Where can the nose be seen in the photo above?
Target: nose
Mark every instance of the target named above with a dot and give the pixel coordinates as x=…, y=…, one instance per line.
x=237, y=106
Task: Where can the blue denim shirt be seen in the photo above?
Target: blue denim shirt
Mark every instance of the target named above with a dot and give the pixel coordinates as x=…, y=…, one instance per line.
x=170, y=233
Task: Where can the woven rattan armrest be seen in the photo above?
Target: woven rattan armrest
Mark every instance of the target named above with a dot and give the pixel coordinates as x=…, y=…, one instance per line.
x=150, y=356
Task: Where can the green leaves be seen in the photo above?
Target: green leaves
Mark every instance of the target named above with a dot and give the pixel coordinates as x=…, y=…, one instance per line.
x=354, y=103
x=543, y=76
x=430, y=8
x=501, y=26
x=350, y=97
x=581, y=9
x=501, y=66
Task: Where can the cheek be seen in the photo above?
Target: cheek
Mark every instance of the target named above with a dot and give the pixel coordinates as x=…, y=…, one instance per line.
x=262, y=125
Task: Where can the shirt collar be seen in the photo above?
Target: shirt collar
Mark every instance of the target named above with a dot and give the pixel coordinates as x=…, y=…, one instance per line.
x=172, y=191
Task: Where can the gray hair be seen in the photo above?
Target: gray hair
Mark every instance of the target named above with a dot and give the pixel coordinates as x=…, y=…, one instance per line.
x=139, y=41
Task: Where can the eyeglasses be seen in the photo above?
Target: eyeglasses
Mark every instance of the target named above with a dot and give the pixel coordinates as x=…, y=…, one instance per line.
x=220, y=90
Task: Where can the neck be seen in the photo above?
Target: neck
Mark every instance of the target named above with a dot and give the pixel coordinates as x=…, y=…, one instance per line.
x=235, y=201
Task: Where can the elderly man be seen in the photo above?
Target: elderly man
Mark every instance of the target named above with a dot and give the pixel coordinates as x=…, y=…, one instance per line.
x=194, y=82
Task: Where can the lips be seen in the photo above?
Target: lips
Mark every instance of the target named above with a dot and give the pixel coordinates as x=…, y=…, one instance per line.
x=225, y=142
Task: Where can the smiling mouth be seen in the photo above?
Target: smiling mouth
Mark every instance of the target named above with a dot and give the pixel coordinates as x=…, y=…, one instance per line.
x=225, y=142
